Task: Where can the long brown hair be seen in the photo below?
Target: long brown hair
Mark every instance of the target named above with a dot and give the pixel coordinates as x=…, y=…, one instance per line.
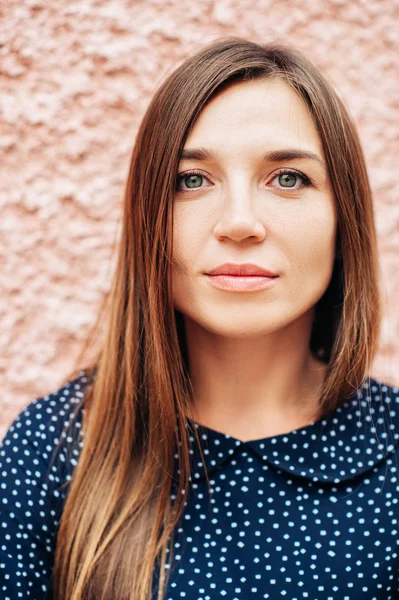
x=118, y=519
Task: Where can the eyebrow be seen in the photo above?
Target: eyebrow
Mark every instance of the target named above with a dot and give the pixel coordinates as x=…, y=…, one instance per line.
x=271, y=156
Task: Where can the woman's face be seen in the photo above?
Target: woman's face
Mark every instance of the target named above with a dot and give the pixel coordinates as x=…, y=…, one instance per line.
x=251, y=200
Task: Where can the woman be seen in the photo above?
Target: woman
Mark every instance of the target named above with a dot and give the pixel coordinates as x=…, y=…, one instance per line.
x=227, y=441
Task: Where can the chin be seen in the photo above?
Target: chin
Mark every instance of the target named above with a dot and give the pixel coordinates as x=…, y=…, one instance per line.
x=237, y=328
x=243, y=322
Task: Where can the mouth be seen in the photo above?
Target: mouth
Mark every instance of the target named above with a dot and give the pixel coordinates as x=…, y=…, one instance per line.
x=242, y=270
x=241, y=283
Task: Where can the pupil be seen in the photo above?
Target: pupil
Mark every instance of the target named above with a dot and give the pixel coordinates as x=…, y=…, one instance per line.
x=287, y=179
x=193, y=181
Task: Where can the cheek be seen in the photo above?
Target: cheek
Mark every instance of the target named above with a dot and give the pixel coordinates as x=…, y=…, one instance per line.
x=311, y=245
x=189, y=235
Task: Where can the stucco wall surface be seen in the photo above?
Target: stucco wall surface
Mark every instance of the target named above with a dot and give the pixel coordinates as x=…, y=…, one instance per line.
x=75, y=79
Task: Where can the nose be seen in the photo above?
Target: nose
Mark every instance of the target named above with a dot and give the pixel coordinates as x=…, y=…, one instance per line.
x=238, y=219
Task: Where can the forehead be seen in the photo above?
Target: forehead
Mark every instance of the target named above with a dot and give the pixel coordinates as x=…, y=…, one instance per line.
x=265, y=111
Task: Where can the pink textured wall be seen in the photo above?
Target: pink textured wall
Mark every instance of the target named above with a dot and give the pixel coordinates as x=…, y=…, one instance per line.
x=75, y=79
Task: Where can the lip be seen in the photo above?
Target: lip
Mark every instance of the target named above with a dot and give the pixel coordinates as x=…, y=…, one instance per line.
x=241, y=278
x=241, y=270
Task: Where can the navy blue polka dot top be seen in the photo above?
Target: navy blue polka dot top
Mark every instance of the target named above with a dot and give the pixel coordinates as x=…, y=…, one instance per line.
x=308, y=514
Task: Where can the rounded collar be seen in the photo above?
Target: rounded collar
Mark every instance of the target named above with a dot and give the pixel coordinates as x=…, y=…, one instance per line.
x=362, y=432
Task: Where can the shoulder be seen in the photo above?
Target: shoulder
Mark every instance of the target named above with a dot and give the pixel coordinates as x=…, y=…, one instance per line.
x=44, y=418
x=377, y=405
x=47, y=423
x=379, y=393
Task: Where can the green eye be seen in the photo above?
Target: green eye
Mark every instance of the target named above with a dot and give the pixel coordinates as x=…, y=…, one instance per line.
x=287, y=179
x=192, y=181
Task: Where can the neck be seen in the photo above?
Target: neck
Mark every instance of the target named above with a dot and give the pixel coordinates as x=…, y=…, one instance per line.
x=258, y=387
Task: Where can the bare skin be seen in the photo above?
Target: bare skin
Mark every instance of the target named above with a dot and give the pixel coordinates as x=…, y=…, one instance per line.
x=227, y=400
x=251, y=367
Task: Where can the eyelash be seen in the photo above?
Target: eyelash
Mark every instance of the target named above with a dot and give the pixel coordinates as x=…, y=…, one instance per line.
x=306, y=181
